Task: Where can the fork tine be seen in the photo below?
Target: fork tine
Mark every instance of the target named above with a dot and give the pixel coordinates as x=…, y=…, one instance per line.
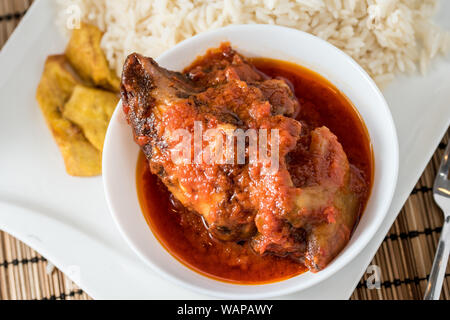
x=442, y=180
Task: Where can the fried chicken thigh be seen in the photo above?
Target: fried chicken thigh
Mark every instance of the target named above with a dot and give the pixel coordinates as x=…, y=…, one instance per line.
x=310, y=222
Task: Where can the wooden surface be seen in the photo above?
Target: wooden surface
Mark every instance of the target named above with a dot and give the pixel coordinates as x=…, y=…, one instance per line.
x=404, y=259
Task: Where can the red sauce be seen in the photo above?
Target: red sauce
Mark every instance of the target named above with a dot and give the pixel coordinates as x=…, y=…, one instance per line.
x=183, y=233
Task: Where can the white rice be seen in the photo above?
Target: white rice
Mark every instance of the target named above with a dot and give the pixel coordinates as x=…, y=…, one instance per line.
x=384, y=36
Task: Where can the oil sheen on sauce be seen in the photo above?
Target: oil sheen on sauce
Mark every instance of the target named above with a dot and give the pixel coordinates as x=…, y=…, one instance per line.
x=183, y=233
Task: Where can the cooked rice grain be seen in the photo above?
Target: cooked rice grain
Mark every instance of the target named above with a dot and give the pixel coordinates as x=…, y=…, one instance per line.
x=384, y=36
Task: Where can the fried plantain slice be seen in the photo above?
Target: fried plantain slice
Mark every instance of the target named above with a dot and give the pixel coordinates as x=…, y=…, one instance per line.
x=87, y=57
x=91, y=109
x=56, y=86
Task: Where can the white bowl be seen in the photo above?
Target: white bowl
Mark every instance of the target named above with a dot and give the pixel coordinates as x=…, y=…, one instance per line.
x=120, y=153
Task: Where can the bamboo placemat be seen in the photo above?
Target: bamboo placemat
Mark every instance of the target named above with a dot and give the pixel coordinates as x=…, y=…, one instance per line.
x=404, y=259
x=406, y=254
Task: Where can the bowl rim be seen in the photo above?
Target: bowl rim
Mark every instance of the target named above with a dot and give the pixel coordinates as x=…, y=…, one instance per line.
x=337, y=264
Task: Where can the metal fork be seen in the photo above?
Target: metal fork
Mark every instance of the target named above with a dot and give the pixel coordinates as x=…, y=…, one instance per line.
x=441, y=193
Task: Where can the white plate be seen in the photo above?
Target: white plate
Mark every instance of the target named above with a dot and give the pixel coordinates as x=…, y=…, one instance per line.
x=66, y=218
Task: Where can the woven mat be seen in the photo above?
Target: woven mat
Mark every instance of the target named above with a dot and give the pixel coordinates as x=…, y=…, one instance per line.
x=404, y=258
x=406, y=254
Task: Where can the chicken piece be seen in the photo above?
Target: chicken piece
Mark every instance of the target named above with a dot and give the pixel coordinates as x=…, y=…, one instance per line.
x=224, y=65
x=331, y=201
x=91, y=109
x=159, y=102
x=87, y=58
x=56, y=86
x=155, y=102
x=315, y=203
x=324, y=212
